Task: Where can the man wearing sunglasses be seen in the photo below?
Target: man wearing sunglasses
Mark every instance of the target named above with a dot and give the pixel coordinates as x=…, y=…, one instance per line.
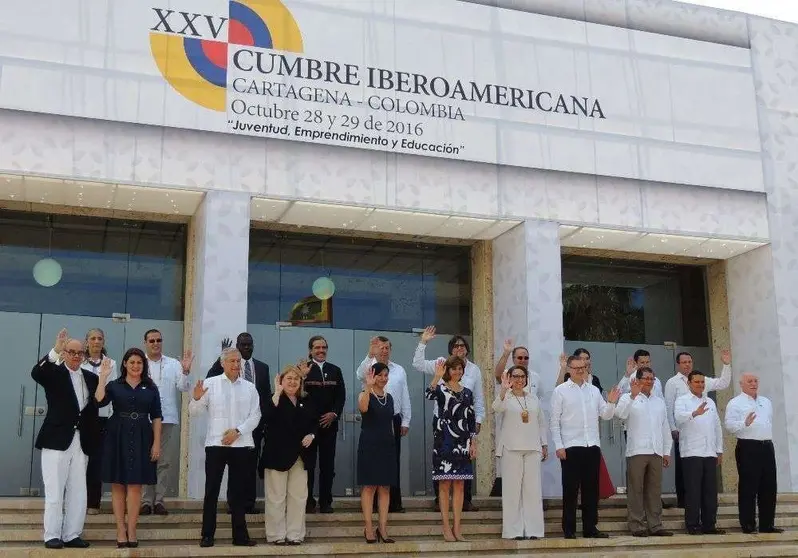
x=520, y=357
x=171, y=377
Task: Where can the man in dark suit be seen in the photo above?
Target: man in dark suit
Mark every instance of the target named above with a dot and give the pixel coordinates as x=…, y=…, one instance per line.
x=67, y=437
x=257, y=372
x=325, y=387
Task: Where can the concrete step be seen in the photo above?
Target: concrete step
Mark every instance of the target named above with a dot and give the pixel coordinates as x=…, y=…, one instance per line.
x=351, y=531
x=682, y=546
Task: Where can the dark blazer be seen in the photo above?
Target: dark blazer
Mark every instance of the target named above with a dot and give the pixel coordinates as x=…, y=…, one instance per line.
x=287, y=425
x=63, y=415
x=326, y=390
x=262, y=383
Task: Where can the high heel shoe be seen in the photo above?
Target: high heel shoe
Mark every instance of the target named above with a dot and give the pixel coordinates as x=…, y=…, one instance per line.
x=460, y=538
x=449, y=537
x=368, y=540
x=383, y=539
x=133, y=544
x=121, y=544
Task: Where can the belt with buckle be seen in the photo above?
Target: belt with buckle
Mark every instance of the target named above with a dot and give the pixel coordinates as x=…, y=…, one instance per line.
x=133, y=416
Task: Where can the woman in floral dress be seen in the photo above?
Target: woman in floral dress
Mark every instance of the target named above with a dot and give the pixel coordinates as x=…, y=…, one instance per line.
x=455, y=443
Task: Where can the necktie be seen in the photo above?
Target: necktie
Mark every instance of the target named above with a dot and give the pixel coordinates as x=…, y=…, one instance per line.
x=248, y=372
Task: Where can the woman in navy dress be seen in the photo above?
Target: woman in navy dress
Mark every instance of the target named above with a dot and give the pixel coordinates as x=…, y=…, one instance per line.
x=376, y=451
x=133, y=441
x=454, y=440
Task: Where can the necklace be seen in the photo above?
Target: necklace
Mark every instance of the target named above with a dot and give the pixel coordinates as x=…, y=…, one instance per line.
x=524, y=412
x=381, y=400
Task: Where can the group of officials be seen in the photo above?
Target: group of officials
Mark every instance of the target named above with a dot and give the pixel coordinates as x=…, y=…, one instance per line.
x=282, y=429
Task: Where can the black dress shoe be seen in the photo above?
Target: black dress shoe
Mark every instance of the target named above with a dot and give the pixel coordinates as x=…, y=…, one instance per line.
x=661, y=533
x=532, y=538
x=750, y=530
x=326, y=509
x=206, y=542
x=254, y=510
x=310, y=507
x=596, y=535
x=77, y=542
x=693, y=531
x=714, y=531
x=437, y=506
x=247, y=542
x=771, y=530
x=570, y=535
x=640, y=534
x=496, y=490
x=396, y=510
x=146, y=509
x=518, y=538
x=280, y=543
x=160, y=509
x=54, y=544
x=293, y=543
x=469, y=507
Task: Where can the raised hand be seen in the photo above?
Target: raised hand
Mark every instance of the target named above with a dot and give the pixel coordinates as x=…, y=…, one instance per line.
x=428, y=335
x=374, y=347
x=226, y=343
x=750, y=418
x=440, y=370
x=636, y=387
x=188, y=359
x=563, y=360
x=702, y=408
x=630, y=366
x=508, y=345
x=614, y=395
x=61, y=341
x=507, y=382
x=725, y=356
x=303, y=366
x=105, y=368
x=370, y=379
x=278, y=386
x=199, y=391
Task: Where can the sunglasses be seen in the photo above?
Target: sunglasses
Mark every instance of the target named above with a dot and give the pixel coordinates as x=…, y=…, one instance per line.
x=522, y=358
x=517, y=377
x=151, y=341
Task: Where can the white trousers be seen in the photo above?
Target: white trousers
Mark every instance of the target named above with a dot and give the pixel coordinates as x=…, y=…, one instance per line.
x=522, y=495
x=286, y=497
x=64, y=475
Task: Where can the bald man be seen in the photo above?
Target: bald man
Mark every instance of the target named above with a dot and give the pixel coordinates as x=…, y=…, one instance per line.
x=67, y=436
x=749, y=416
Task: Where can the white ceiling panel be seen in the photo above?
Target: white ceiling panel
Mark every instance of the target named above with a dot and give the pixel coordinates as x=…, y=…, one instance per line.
x=12, y=188
x=462, y=227
x=566, y=230
x=600, y=239
x=498, y=228
x=47, y=190
x=327, y=216
x=401, y=222
x=156, y=200
x=264, y=209
x=722, y=249
x=666, y=244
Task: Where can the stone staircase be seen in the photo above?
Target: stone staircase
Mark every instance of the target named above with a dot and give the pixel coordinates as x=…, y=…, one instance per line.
x=417, y=533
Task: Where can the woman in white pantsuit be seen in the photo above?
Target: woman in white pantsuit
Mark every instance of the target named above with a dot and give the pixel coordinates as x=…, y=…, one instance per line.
x=522, y=447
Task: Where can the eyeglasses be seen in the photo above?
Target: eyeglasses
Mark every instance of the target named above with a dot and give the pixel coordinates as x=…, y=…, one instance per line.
x=459, y=345
x=518, y=377
x=522, y=358
x=73, y=352
x=151, y=341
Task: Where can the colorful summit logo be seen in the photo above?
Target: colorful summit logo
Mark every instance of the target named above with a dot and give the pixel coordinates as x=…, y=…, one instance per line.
x=192, y=56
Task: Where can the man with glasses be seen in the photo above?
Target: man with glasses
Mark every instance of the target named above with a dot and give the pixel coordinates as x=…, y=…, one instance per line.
x=256, y=372
x=576, y=406
x=472, y=379
x=520, y=357
x=67, y=436
x=648, y=450
x=171, y=377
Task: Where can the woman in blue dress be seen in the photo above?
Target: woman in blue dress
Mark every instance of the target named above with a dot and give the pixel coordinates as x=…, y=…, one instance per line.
x=454, y=440
x=133, y=440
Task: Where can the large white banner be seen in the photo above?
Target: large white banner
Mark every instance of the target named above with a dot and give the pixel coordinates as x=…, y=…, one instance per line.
x=426, y=77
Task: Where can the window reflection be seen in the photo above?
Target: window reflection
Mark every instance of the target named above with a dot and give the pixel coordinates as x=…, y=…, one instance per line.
x=109, y=265
x=633, y=302
x=379, y=285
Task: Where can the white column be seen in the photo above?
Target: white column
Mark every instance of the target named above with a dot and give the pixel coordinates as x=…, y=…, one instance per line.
x=527, y=303
x=217, y=301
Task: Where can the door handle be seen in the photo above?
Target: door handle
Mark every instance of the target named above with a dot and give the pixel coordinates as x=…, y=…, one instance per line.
x=21, y=410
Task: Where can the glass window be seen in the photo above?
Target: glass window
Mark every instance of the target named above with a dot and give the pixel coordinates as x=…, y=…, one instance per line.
x=107, y=266
x=379, y=285
x=633, y=302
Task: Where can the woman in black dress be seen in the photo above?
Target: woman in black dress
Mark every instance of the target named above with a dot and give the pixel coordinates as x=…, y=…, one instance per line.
x=133, y=441
x=376, y=451
x=454, y=440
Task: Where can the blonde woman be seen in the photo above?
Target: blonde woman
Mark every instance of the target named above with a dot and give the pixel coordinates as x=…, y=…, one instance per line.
x=291, y=425
x=522, y=447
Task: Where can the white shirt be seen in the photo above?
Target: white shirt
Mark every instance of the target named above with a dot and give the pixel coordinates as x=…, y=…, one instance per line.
x=677, y=386
x=167, y=373
x=575, y=411
x=648, y=431
x=517, y=435
x=699, y=436
x=740, y=407
x=533, y=386
x=88, y=366
x=78, y=382
x=230, y=405
x=625, y=385
x=472, y=379
x=396, y=386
